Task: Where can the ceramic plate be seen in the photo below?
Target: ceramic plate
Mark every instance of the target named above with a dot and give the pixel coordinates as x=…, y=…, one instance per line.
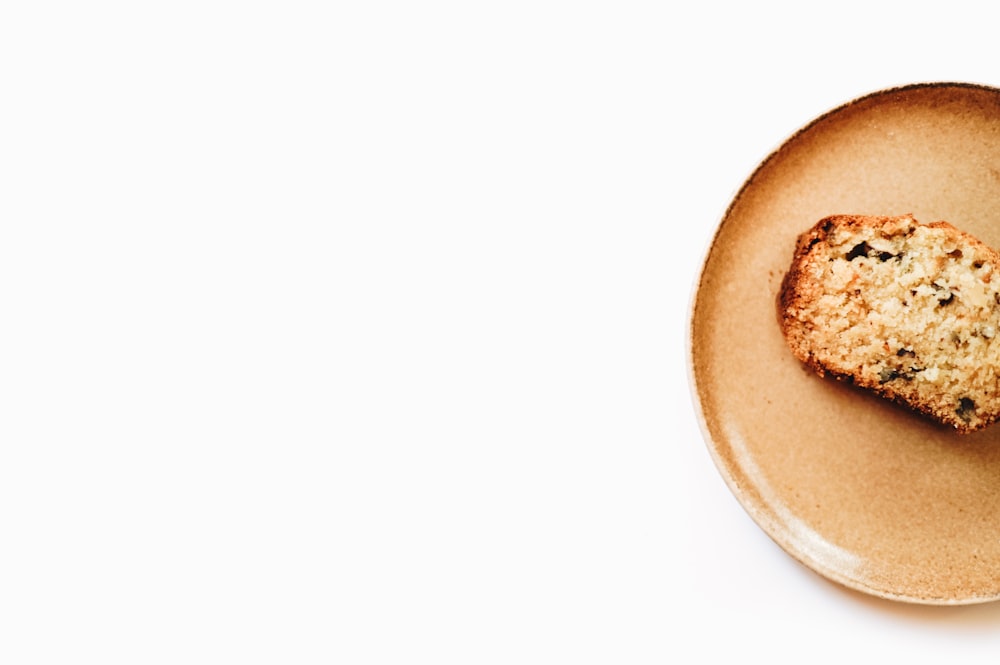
x=858, y=489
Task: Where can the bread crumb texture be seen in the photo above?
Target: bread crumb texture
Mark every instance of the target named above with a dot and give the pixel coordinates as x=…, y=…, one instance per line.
x=910, y=311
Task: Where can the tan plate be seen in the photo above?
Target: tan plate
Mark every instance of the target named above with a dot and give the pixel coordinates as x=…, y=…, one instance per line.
x=858, y=489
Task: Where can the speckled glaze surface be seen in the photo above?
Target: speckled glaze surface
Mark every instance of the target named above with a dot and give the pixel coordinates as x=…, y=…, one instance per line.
x=858, y=489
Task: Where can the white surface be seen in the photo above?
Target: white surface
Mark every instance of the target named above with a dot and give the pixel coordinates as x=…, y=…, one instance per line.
x=354, y=332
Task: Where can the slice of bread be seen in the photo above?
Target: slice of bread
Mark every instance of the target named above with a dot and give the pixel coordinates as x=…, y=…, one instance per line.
x=910, y=311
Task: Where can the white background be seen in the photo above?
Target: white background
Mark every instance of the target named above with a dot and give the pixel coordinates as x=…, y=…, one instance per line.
x=354, y=332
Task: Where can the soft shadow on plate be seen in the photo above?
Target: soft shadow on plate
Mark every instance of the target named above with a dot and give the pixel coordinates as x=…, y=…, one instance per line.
x=861, y=491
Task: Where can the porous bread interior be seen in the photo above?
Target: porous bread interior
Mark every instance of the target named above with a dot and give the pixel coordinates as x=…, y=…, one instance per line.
x=910, y=310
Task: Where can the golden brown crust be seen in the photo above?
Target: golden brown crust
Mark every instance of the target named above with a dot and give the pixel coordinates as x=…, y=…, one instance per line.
x=906, y=310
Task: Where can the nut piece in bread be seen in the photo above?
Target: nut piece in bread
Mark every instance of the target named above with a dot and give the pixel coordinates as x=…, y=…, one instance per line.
x=910, y=311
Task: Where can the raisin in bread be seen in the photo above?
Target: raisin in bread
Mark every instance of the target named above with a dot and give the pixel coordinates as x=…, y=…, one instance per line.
x=910, y=311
